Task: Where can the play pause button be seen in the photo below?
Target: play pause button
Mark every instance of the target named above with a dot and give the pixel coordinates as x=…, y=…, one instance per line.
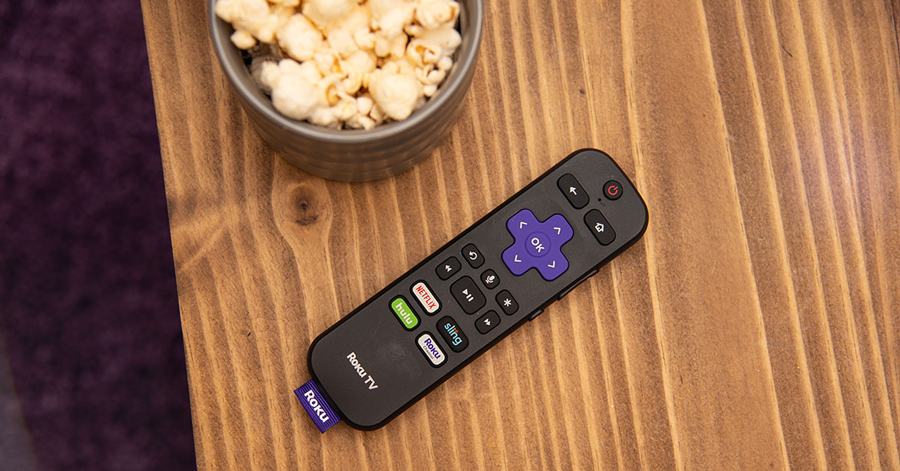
x=467, y=295
x=485, y=323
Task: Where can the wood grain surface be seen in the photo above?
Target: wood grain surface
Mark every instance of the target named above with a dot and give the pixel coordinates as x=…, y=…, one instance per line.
x=754, y=327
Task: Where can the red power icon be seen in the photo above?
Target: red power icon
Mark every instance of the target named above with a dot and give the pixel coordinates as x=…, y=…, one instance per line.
x=612, y=189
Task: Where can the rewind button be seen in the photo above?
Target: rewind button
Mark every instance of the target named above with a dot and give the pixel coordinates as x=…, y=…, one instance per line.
x=448, y=268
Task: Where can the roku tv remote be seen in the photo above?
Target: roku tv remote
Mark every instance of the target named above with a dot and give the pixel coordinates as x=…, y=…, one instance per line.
x=479, y=287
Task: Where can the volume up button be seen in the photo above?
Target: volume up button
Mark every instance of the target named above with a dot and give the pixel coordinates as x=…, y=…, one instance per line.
x=574, y=285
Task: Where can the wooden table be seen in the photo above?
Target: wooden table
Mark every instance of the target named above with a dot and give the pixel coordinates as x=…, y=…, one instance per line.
x=754, y=327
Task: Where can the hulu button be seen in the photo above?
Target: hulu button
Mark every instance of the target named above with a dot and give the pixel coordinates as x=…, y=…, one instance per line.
x=405, y=313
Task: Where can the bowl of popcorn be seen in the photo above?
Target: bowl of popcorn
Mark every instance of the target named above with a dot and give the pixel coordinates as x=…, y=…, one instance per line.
x=350, y=90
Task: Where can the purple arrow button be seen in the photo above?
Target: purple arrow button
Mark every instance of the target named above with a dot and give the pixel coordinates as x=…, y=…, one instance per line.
x=558, y=228
x=553, y=267
x=522, y=224
x=517, y=260
x=537, y=244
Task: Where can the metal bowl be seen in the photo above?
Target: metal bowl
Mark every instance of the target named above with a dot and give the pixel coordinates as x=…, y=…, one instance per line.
x=356, y=155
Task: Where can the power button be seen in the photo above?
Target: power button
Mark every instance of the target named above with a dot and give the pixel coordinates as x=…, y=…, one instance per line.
x=612, y=190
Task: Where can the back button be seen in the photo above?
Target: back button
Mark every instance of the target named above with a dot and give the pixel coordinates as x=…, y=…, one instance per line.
x=573, y=191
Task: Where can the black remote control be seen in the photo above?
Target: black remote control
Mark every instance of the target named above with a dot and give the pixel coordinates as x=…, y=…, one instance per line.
x=504, y=270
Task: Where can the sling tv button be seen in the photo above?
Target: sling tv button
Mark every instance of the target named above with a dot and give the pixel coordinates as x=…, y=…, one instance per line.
x=453, y=335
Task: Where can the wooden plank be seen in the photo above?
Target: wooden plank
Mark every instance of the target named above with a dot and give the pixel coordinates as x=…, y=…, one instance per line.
x=754, y=327
x=895, y=9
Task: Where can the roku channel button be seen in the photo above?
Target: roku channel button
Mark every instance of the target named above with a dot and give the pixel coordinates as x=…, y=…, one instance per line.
x=430, y=348
x=405, y=313
x=426, y=298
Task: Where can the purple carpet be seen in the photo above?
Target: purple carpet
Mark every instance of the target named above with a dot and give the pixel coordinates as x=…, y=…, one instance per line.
x=88, y=308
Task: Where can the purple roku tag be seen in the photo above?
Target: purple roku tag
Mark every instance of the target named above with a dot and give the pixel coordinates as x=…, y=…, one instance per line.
x=316, y=406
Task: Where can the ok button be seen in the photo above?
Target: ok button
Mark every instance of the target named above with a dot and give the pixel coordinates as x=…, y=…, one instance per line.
x=537, y=244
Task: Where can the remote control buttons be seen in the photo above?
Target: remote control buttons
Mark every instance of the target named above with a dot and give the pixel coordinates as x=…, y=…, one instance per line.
x=507, y=302
x=448, y=268
x=426, y=298
x=452, y=334
x=487, y=322
x=522, y=223
x=472, y=255
x=430, y=349
x=405, y=313
x=537, y=244
x=490, y=279
x=578, y=282
x=573, y=191
x=612, y=189
x=467, y=295
x=600, y=227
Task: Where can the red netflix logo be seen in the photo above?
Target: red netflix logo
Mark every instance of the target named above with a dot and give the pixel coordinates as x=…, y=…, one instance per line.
x=426, y=299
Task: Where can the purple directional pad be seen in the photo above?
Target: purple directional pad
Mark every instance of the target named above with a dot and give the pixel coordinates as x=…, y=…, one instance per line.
x=537, y=244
